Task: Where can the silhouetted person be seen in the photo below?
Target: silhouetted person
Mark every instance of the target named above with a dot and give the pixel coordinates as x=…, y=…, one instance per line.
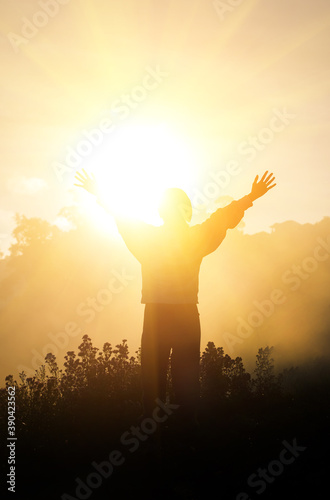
x=170, y=257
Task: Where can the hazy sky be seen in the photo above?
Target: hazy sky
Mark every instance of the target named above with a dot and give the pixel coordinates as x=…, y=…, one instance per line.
x=245, y=88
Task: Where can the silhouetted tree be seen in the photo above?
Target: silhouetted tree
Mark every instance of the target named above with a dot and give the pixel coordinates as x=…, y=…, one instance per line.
x=238, y=378
x=29, y=232
x=265, y=382
x=214, y=384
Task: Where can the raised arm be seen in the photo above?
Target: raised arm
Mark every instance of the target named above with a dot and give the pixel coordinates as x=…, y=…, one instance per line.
x=259, y=188
x=235, y=210
x=134, y=232
x=88, y=182
x=214, y=229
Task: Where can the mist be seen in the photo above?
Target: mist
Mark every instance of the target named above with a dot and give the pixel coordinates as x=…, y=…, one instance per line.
x=255, y=290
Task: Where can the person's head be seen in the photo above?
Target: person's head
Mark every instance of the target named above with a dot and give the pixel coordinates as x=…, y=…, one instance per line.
x=175, y=206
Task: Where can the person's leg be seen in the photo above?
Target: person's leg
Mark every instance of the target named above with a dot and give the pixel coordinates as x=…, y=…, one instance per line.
x=155, y=349
x=185, y=360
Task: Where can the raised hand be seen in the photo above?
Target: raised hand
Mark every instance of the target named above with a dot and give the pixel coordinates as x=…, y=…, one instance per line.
x=259, y=188
x=88, y=182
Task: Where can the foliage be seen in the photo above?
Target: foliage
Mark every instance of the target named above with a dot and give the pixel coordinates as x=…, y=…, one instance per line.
x=110, y=380
x=222, y=376
x=31, y=231
x=75, y=413
x=69, y=415
x=265, y=381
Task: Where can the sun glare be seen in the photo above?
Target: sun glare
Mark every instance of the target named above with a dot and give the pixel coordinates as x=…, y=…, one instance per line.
x=137, y=164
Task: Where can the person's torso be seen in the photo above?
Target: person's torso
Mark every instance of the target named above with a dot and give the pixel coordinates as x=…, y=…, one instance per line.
x=170, y=267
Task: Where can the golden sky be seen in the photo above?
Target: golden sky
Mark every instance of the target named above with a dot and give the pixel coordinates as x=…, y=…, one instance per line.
x=241, y=85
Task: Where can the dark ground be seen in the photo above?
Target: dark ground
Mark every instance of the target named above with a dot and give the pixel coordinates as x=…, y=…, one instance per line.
x=214, y=460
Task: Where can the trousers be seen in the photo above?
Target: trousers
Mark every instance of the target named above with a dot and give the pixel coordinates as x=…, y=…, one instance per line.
x=169, y=327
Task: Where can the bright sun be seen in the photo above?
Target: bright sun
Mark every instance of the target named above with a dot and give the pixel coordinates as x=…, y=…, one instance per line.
x=137, y=163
